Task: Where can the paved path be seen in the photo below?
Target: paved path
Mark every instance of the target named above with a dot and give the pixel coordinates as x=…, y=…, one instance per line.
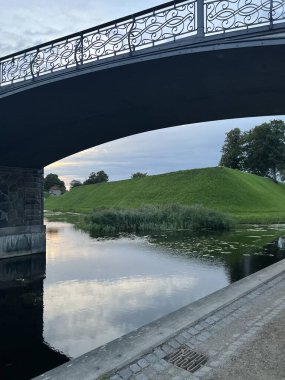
x=243, y=341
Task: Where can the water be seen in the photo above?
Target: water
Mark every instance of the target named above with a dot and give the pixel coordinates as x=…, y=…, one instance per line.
x=90, y=291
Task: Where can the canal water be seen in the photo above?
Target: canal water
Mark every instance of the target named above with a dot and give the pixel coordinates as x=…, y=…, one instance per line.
x=89, y=291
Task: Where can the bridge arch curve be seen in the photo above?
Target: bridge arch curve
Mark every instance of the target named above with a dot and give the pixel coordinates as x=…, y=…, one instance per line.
x=61, y=114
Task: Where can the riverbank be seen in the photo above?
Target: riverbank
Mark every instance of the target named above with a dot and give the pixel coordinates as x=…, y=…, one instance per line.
x=246, y=197
x=222, y=326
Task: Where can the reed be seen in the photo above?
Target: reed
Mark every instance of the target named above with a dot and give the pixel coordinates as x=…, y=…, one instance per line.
x=151, y=218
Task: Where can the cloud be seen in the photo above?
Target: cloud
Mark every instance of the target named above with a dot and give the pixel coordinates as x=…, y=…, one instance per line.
x=31, y=22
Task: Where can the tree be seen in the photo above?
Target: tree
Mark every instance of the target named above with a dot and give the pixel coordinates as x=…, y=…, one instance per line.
x=98, y=177
x=232, y=150
x=52, y=180
x=102, y=177
x=260, y=151
x=265, y=149
x=75, y=183
x=138, y=175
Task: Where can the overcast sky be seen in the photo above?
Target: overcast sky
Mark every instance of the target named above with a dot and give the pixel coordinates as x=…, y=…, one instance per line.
x=25, y=23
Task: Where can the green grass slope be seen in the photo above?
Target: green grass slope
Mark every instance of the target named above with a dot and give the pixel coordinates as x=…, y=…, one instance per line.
x=248, y=197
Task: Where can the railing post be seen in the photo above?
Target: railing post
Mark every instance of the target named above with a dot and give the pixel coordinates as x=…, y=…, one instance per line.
x=81, y=44
x=200, y=18
x=32, y=63
x=0, y=74
x=131, y=47
x=271, y=14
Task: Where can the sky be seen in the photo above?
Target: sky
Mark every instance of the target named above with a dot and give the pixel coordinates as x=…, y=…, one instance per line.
x=25, y=23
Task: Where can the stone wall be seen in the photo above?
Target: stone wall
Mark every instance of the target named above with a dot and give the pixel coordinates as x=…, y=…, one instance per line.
x=21, y=212
x=21, y=197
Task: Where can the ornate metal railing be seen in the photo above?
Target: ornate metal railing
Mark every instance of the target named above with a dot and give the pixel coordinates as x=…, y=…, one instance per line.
x=227, y=15
x=168, y=22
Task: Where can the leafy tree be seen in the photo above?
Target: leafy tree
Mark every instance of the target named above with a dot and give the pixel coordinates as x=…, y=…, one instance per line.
x=138, y=175
x=75, y=183
x=232, y=150
x=102, y=177
x=98, y=177
x=265, y=149
x=91, y=180
x=52, y=180
x=260, y=151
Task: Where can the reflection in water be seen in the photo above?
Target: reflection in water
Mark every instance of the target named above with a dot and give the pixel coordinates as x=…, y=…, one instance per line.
x=98, y=290
x=23, y=351
x=111, y=287
x=240, y=252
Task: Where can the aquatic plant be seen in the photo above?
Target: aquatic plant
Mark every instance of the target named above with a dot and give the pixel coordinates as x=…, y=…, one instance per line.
x=149, y=218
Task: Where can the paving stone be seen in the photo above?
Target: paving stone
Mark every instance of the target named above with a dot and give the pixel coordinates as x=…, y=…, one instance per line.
x=143, y=363
x=181, y=339
x=151, y=358
x=167, y=349
x=186, y=335
x=204, y=324
x=150, y=372
x=141, y=376
x=173, y=343
x=201, y=337
x=135, y=368
x=210, y=321
x=116, y=377
x=206, y=334
x=159, y=367
x=164, y=363
x=159, y=353
x=190, y=344
x=125, y=373
x=193, y=331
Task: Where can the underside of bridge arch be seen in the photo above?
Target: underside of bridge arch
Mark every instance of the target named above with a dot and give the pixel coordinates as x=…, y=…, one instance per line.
x=47, y=122
x=55, y=118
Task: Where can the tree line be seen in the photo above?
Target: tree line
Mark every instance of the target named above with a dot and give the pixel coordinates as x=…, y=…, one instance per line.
x=94, y=177
x=261, y=150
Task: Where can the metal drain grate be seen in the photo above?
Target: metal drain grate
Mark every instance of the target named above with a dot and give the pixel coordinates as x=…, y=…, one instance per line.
x=187, y=359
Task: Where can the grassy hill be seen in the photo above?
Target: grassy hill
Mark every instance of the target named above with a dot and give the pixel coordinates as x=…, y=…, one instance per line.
x=246, y=196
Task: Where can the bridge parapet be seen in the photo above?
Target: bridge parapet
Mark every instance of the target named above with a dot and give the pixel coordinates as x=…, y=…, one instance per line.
x=165, y=23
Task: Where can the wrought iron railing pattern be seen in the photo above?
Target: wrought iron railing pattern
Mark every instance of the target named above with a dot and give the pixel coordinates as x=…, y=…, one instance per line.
x=224, y=15
x=168, y=22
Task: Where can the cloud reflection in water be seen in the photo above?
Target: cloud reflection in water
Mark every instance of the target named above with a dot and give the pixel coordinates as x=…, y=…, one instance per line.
x=96, y=291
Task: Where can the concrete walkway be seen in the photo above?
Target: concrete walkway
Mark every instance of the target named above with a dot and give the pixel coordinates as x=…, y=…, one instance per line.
x=241, y=329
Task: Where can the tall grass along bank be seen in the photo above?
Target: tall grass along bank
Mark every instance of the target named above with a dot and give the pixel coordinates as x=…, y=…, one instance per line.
x=152, y=218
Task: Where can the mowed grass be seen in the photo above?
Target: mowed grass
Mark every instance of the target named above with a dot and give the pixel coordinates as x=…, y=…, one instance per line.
x=249, y=198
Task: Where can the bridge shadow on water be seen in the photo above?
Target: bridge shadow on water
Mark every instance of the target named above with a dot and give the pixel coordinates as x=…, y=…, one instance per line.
x=23, y=351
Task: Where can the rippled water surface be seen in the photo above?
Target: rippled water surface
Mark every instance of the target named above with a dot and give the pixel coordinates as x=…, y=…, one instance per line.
x=90, y=291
